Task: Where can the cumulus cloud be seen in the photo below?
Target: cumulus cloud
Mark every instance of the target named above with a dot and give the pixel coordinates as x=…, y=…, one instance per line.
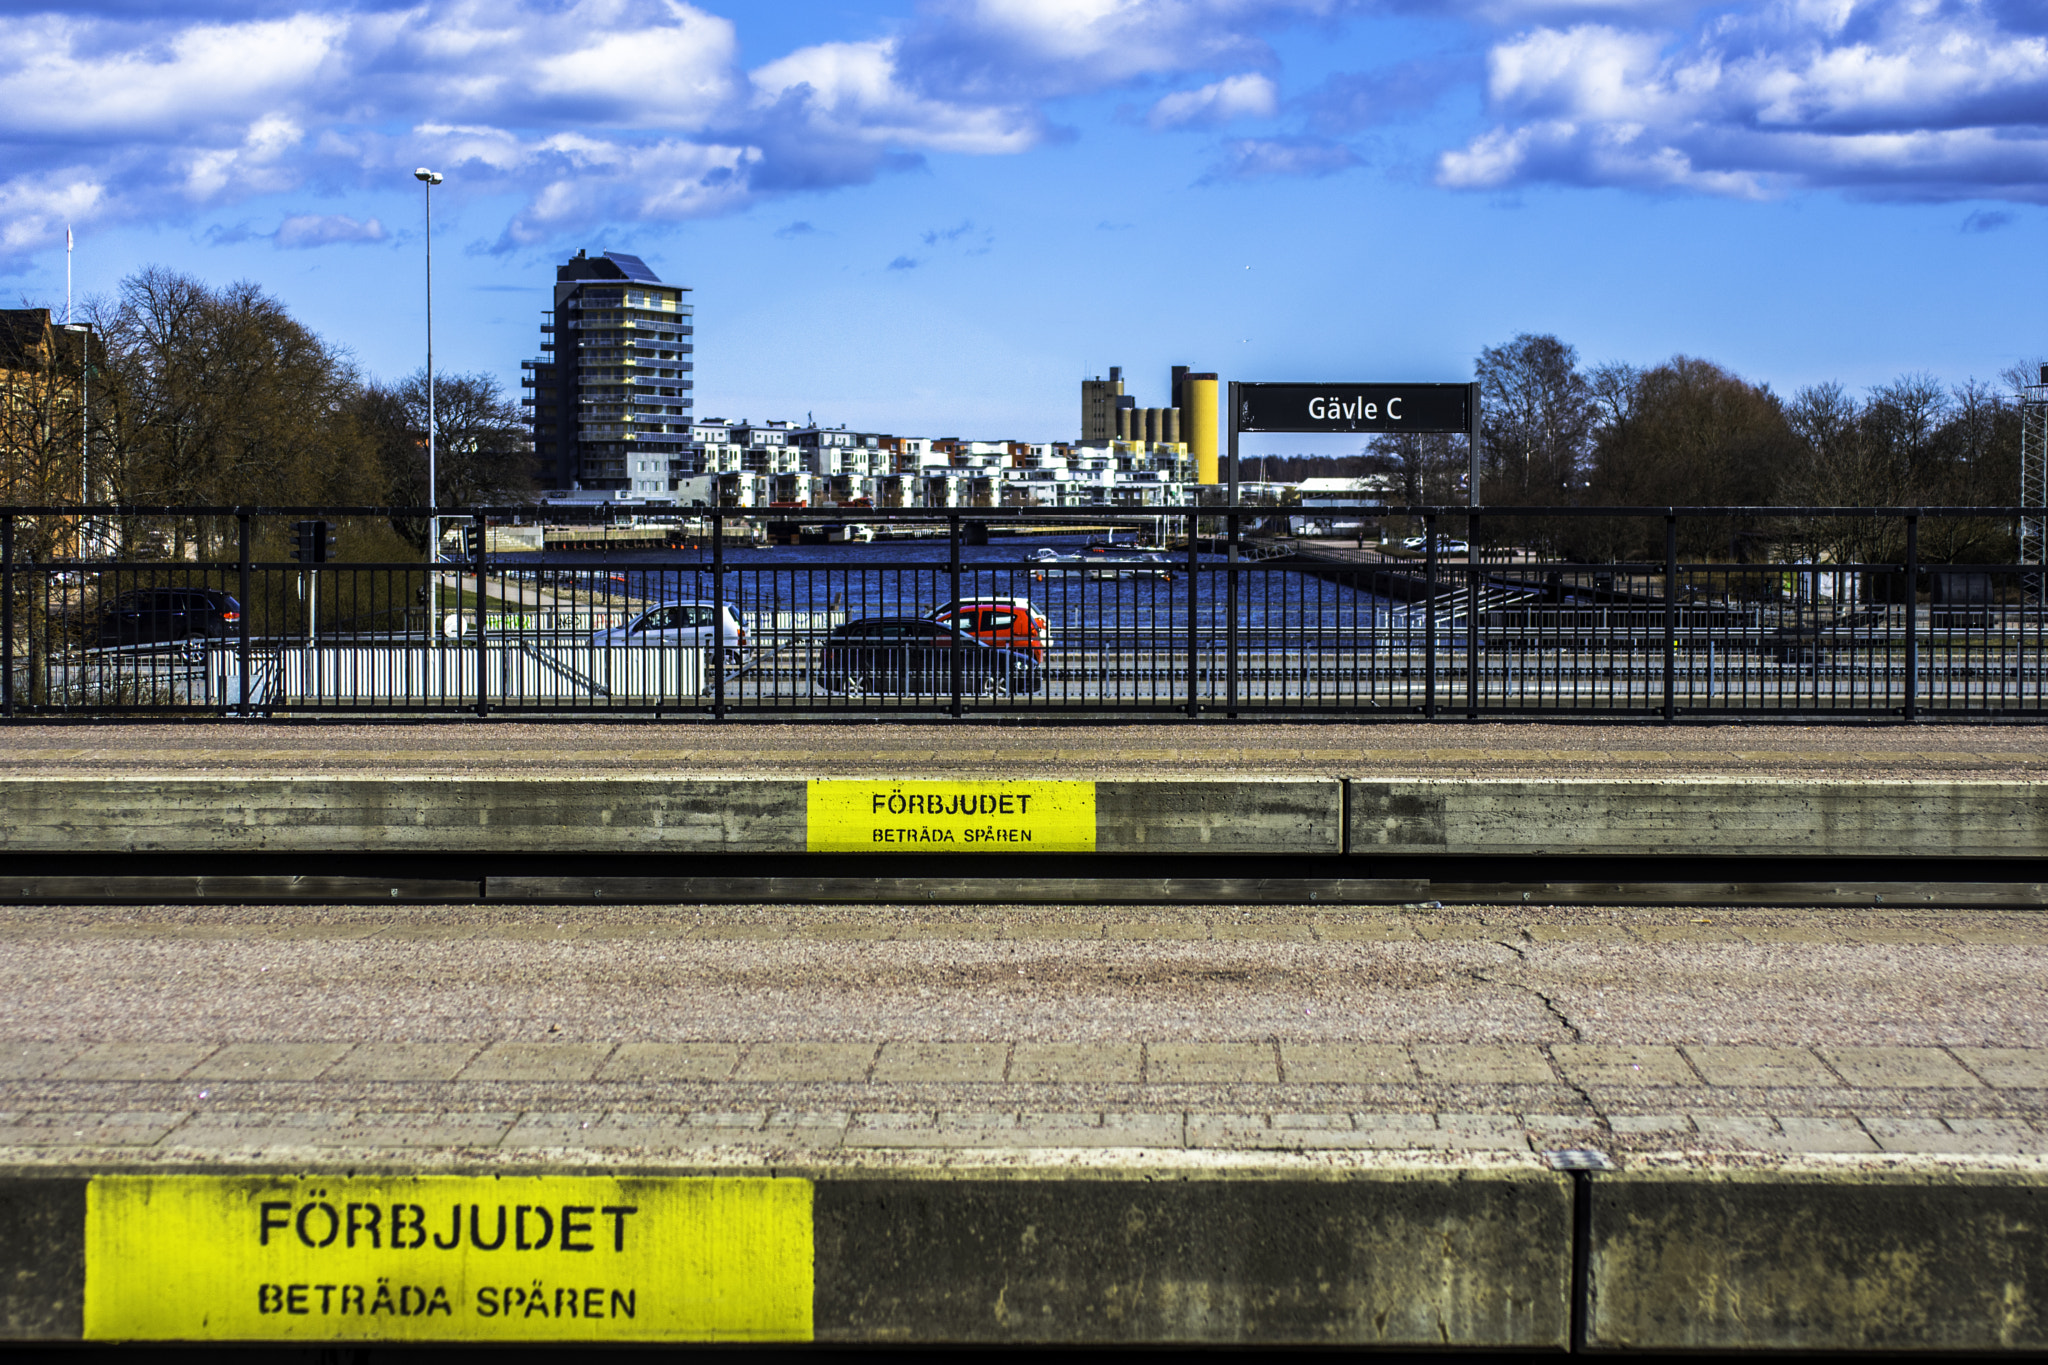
x=1255, y=158
x=1038, y=49
x=1897, y=98
x=592, y=110
x=1250, y=95
x=302, y=230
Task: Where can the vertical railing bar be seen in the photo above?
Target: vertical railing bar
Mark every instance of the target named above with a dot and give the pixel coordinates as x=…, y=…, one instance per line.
x=483, y=656
x=1194, y=600
x=717, y=610
x=1912, y=707
x=243, y=642
x=954, y=647
x=1428, y=616
x=1670, y=615
x=1473, y=572
x=1230, y=622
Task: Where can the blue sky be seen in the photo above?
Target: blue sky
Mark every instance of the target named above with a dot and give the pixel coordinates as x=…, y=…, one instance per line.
x=934, y=216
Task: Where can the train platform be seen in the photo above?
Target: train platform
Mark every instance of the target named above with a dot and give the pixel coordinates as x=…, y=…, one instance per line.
x=1508, y=1037
x=1038, y=1124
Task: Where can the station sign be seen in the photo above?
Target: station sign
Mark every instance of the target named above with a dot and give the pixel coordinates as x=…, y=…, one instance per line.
x=1426, y=408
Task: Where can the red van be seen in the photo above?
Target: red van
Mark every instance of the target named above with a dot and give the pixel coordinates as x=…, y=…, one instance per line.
x=1005, y=622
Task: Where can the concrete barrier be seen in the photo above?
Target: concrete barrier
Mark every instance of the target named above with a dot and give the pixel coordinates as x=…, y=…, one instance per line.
x=1865, y=1262
x=1733, y=816
x=318, y=813
x=1230, y=813
x=1389, y=1256
x=1426, y=1258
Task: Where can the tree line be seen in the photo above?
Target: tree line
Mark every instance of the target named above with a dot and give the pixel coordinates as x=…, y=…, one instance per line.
x=188, y=394
x=1556, y=433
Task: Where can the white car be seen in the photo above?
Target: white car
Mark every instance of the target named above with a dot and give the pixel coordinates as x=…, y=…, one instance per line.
x=677, y=623
x=1443, y=547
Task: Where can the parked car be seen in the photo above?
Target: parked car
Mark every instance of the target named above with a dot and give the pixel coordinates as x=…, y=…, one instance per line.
x=1005, y=622
x=678, y=624
x=909, y=654
x=161, y=616
x=1444, y=545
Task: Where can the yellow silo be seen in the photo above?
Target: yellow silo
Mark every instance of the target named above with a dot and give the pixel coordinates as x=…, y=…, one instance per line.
x=1198, y=423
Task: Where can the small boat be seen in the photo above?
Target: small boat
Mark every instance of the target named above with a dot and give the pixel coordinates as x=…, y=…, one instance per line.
x=1132, y=566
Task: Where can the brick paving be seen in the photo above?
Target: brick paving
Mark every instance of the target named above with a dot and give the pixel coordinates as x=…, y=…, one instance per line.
x=758, y=1034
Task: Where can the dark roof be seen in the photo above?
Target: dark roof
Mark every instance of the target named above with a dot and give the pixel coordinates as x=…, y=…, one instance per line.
x=24, y=332
x=611, y=265
x=635, y=268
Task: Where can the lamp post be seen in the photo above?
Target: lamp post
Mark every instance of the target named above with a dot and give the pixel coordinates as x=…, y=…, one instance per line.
x=428, y=179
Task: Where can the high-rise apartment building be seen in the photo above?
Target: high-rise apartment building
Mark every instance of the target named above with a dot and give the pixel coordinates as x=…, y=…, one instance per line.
x=612, y=403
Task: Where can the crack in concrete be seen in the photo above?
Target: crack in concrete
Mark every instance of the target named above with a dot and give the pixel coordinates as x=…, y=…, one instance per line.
x=1564, y=1021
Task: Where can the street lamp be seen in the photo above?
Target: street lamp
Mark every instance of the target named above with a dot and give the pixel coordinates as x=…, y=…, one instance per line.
x=428, y=179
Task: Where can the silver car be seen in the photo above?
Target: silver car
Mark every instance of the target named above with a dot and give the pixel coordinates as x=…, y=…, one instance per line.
x=677, y=624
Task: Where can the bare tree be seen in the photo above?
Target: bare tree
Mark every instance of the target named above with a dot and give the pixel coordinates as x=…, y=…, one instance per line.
x=483, y=449
x=1538, y=414
x=225, y=398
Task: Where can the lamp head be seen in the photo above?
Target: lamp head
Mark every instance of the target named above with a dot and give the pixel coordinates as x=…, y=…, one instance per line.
x=431, y=177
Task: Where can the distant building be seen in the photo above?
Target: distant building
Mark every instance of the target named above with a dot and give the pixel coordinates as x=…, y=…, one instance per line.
x=612, y=404
x=1187, y=426
x=46, y=382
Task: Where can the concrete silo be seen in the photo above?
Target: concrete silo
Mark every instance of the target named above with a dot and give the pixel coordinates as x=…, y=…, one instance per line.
x=1200, y=423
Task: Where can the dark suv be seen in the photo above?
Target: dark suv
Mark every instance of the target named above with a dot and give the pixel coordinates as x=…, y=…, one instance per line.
x=157, y=616
x=908, y=654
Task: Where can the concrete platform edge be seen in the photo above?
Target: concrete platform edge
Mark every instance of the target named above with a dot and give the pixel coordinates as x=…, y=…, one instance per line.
x=1914, y=1256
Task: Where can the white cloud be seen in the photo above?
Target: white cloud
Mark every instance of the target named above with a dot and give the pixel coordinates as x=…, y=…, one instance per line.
x=1250, y=95
x=325, y=229
x=34, y=209
x=1894, y=97
x=854, y=91
x=1254, y=158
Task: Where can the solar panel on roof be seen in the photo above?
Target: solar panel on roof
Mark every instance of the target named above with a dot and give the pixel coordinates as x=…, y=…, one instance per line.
x=635, y=268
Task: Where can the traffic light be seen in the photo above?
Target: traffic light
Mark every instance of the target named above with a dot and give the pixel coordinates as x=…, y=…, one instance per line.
x=313, y=542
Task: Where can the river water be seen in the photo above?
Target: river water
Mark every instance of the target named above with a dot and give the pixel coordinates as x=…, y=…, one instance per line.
x=816, y=583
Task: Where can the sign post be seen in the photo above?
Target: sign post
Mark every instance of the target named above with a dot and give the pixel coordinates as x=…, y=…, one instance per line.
x=1472, y=450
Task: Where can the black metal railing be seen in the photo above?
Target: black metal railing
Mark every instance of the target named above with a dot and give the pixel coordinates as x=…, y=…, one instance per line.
x=861, y=612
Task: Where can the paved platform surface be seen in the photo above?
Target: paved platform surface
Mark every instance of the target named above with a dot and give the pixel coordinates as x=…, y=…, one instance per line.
x=1271, y=747
x=746, y=1035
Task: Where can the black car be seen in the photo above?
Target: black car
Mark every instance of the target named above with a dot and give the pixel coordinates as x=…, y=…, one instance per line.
x=160, y=616
x=907, y=654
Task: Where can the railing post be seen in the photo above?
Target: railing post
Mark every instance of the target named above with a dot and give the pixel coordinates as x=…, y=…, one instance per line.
x=242, y=643
x=483, y=655
x=1429, y=616
x=1194, y=606
x=718, y=609
x=954, y=649
x=7, y=615
x=1912, y=615
x=1670, y=615
x=1230, y=622
x=1473, y=572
